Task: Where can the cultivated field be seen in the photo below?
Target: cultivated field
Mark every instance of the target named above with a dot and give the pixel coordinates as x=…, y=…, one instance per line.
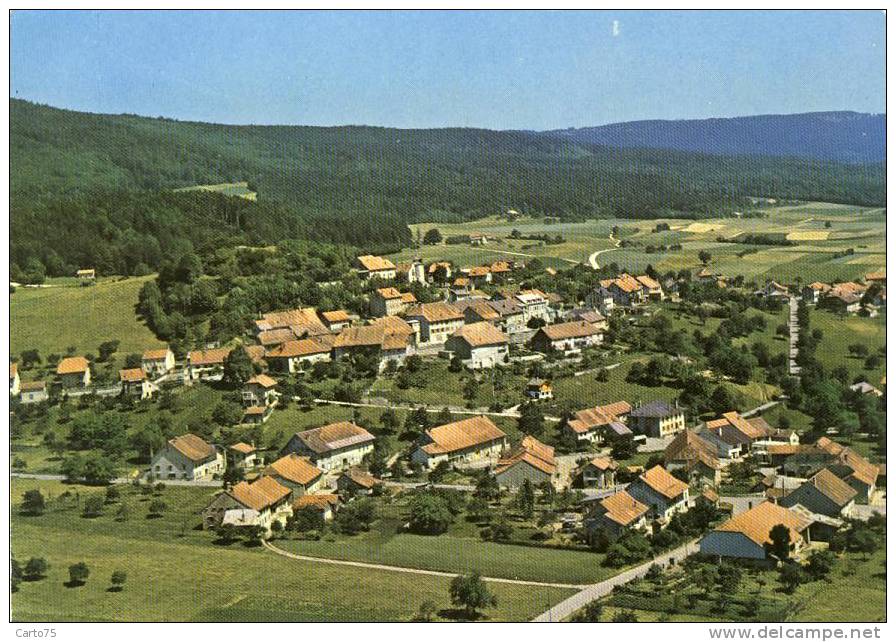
x=240, y=189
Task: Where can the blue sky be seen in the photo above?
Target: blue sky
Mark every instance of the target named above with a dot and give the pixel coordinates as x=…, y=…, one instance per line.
x=501, y=70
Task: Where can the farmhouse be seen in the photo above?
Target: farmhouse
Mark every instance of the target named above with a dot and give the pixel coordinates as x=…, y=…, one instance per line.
x=814, y=292
x=370, y=266
x=301, y=321
x=412, y=272
x=258, y=503
x=479, y=345
x=599, y=473
x=356, y=481
x=566, y=337
x=296, y=473
x=134, y=383
x=391, y=336
x=615, y=515
x=844, y=297
x=626, y=290
x=438, y=321
x=657, y=419
x=731, y=434
x=651, y=288
x=774, y=290
x=539, y=389
x=591, y=424
x=158, y=362
x=203, y=364
x=335, y=320
x=388, y=302
x=747, y=535
x=33, y=392
x=595, y=318
x=260, y=390
x=74, y=372
x=530, y=460
x=690, y=452
x=187, y=457
x=243, y=455
x=326, y=505
x=473, y=439
x=825, y=494
x=289, y=356
x=335, y=446
x=533, y=303
x=662, y=493
x=14, y=380
x=850, y=466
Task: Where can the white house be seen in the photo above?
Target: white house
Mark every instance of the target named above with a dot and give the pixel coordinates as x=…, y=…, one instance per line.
x=335, y=446
x=661, y=492
x=74, y=372
x=370, y=266
x=289, y=356
x=187, y=457
x=473, y=439
x=479, y=345
x=566, y=337
x=243, y=455
x=158, y=362
x=202, y=364
x=135, y=383
x=533, y=303
x=438, y=321
x=259, y=503
x=33, y=392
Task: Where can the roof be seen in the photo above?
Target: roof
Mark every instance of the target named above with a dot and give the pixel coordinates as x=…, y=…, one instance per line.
x=242, y=447
x=500, y=266
x=192, y=447
x=862, y=469
x=360, y=477
x=734, y=420
x=335, y=316
x=759, y=423
x=627, y=283
x=591, y=316
x=480, y=334
x=622, y=508
x=569, y=330
x=648, y=282
x=657, y=408
x=408, y=297
x=300, y=320
x=334, y=436
x=299, y=348
x=532, y=452
x=603, y=463
x=132, y=375
x=321, y=502
x=483, y=310
x=479, y=270
x=294, y=468
x=435, y=266
x=72, y=365
x=13, y=369
x=590, y=418
x=387, y=333
x=240, y=517
x=505, y=307
x=256, y=353
x=30, y=386
x=463, y=434
x=619, y=428
x=757, y=523
x=156, y=355
x=819, y=286
x=389, y=293
x=208, y=357
x=659, y=479
x=276, y=336
x=262, y=380
x=260, y=494
x=86, y=272
x=690, y=447
x=876, y=276
x=375, y=263
x=435, y=312
x=832, y=487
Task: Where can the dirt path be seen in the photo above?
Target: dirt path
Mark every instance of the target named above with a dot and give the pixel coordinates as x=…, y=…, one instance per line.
x=405, y=569
x=592, y=260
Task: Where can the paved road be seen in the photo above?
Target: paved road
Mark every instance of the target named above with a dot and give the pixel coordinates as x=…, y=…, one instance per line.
x=793, y=369
x=454, y=409
x=406, y=569
x=592, y=260
x=760, y=409
x=570, y=605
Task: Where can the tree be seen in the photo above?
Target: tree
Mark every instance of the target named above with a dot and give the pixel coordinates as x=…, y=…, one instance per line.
x=625, y=616
x=487, y=488
x=426, y=612
x=93, y=506
x=429, y=514
x=107, y=349
x=123, y=513
x=525, y=499
x=33, y=502
x=356, y=516
x=792, y=576
x=118, y=579
x=36, y=568
x=820, y=564
x=306, y=519
x=438, y=473
x=471, y=593
x=157, y=507
x=78, y=574
x=591, y=613
x=780, y=545
x=704, y=256
x=389, y=421
x=15, y=574
x=531, y=421
x=863, y=541
x=233, y=475
x=722, y=400
x=227, y=413
x=432, y=236
x=238, y=368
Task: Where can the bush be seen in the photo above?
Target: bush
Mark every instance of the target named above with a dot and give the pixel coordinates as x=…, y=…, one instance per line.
x=93, y=506
x=78, y=574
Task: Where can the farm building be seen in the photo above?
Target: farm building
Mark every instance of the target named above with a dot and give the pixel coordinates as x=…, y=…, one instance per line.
x=530, y=460
x=747, y=535
x=825, y=494
x=566, y=337
x=336, y=446
x=656, y=419
x=479, y=345
x=591, y=425
x=258, y=503
x=473, y=439
x=289, y=356
x=187, y=457
x=296, y=473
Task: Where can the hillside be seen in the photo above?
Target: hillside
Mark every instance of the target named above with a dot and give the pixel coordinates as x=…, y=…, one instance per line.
x=84, y=185
x=844, y=136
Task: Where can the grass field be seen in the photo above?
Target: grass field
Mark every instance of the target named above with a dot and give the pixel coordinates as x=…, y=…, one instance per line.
x=53, y=319
x=240, y=189
x=840, y=332
x=176, y=573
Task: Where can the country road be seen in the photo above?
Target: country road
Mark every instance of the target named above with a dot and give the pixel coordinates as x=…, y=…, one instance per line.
x=592, y=260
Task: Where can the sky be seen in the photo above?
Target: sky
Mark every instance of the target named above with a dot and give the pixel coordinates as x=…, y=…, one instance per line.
x=494, y=69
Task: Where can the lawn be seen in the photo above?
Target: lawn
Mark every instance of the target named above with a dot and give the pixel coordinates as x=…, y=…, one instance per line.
x=176, y=573
x=840, y=332
x=53, y=319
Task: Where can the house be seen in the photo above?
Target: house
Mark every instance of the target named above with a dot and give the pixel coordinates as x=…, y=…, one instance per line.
x=499, y=270
x=591, y=424
x=260, y=390
x=438, y=272
x=533, y=303
x=356, y=481
x=326, y=505
x=844, y=297
x=512, y=318
x=662, y=493
x=412, y=272
x=656, y=419
x=865, y=388
x=14, y=380
x=391, y=337
x=600, y=299
x=205, y=364
x=479, y=275
x=257, y=503
x=539, y=389
x=74, y=372
x=33, y=392
x=86, y=276
x=615, y=515
x=296, y=473
x=335, y=320
x=850, y=466
x=599, y=473
x=530, y=460
x=335, y=446
x=566, y=337
x=478, y=239
x=734, y=430
x=626, y=290
x=473, y=439
x=135, y=383
x=814, y=292
x=476, y=311
x=595, y=318
x=158, y=362
x=437, y=321
x=303, y=322
x=876, y=277
x=187, y=457
x=243, y=455
x=774, y=290
x=370, y=266
x=479, y=345
x=825, y=494
x=651, y=288
x=389, y=302
x=292, y=355
x=690, y=452
x=748, y=535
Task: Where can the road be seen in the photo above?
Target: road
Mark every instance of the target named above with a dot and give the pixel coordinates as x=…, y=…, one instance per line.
x=592, y=260
x=455, y=410
x=406, y=569
x=570, y=605
x=794, y=337
x=215, y=483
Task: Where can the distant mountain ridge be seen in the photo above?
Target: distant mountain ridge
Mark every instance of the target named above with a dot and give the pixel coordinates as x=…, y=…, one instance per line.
x=842, y=136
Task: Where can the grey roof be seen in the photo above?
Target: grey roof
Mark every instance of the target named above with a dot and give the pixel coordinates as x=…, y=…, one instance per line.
x=505, y=307
x=657, y=408
x=619, y=428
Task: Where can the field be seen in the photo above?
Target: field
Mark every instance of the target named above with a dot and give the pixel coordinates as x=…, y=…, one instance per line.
x=53, y=319
x=176, y=573
x=240, y=189
x=819, y=231
x=840, y=332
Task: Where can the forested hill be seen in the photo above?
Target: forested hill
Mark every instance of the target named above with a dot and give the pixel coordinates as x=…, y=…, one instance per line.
x=843, y=136
x=358, y=185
